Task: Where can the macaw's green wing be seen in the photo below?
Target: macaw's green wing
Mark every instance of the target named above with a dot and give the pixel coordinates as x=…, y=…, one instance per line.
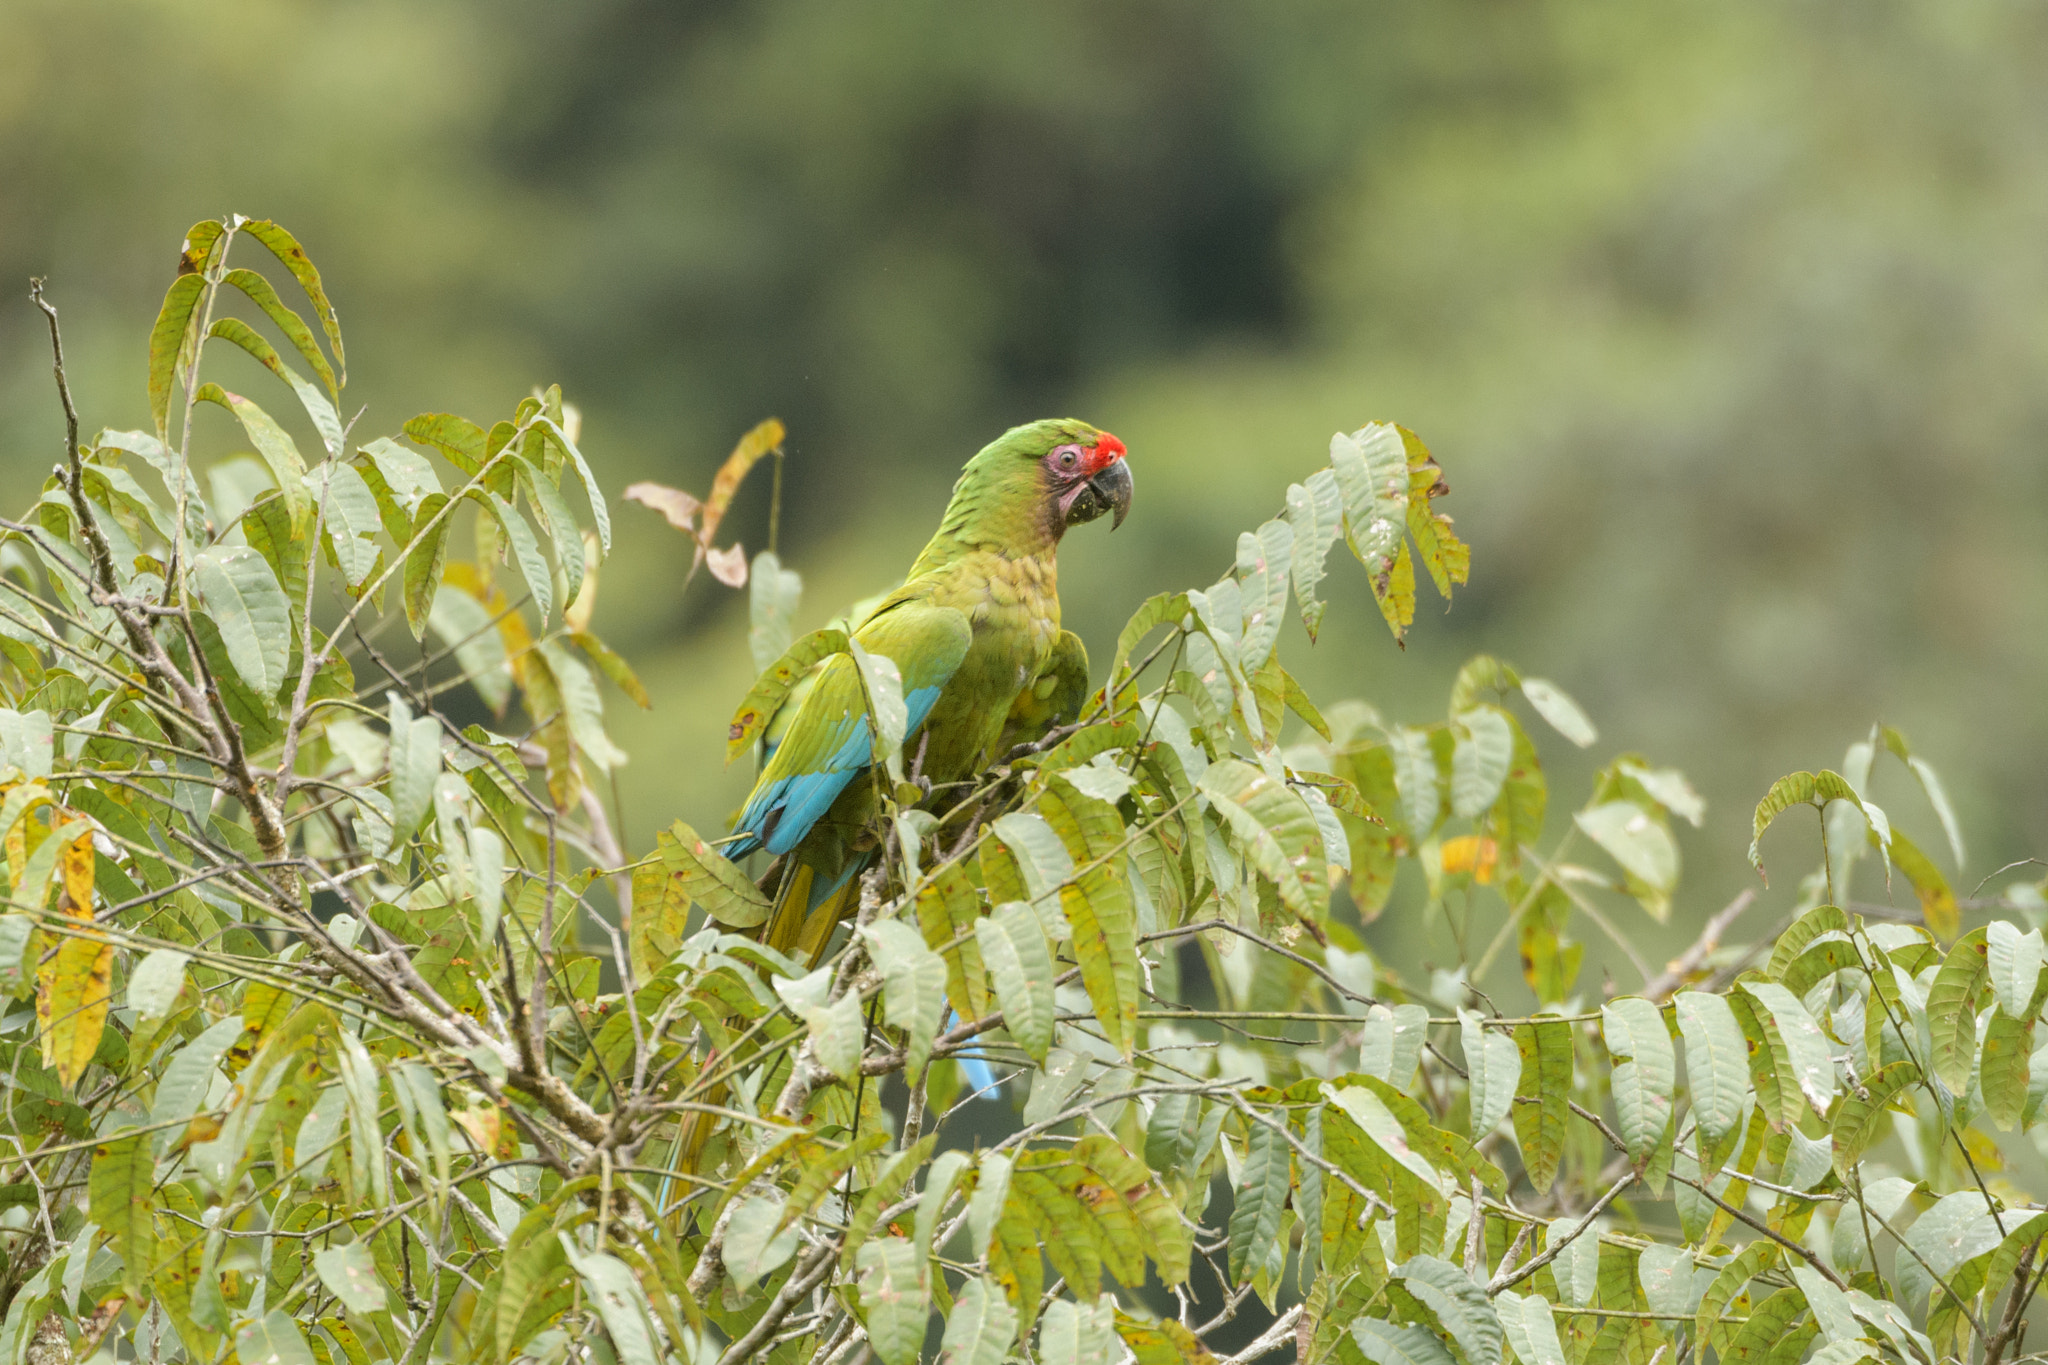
x=828, y=742
x=1054, y=697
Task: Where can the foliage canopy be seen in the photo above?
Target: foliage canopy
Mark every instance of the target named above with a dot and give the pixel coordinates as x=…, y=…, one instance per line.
x=340, y=1029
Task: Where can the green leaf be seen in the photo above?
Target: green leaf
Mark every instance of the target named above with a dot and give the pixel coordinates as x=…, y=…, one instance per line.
x=1636, y=839
x=249, y=609
x=1716, y=1063
x=425, y=561
x=272, y=1339
x=913, y=987
x=620, y=1301
x=981, y=1326
x=712, y=881
x=1556, y=706
x=1460, y=1306
x=1484, y=744
x=415, y=764
x=1770, y=1327
x=399, y=476
x=1644, y=1073
x=464, y=625
x=582, y=706
x=1830, y=1306
x=2013, y=960
x=1530, y=1328
x=1806, y=1046
x=947, y=907
x=1937, y=796
x=772, y=596
x=1371, y=468
x=1172, y=1131
x=1377, y=1122
x=1938, y=909
x=1816, y=790
x=350, y=1274
x=1959, y=1228
x=288, y=251
x=487, y=862
x=1576, y=1268
x=1020, y=966
x=556, y=519
x=349, y=522
x=599, y=513
x=1386, y=1343
x=1822, y=919
x=167, y=342
x=1753, y=1260
x=838, y=1035
x=288, y=550
x=122, y=1190
x=1098, y=909
x=759, y=1237
x=182, y=1085
x=318, y=409
x=533, y=566
x=1952, y=1009
x=259, y=291
x=1666, y=1275
x=1077, y=1334
x=888, y=714
x=1276, y=830
x=773, y=687
x=2002, y=1069
x=1882, y=1197
x=1770, y=1065
x=1042, y=856
x=1415, y=778
x=1260, y=1195
x=991, y=1191
x=1494, y=1068
x=1316, y=512
x=533, y=1286
x=946, y=1171
x=894, y=1301
x=276, y=447
x=365, y=1138
x=426, y=1117
x=458, y=439
x=154, y=985
x=1263, y=558
x=1161, y=609
x=1543, y=1096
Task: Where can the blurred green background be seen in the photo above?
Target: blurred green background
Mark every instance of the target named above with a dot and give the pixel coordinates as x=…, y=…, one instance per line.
x=1728, y=322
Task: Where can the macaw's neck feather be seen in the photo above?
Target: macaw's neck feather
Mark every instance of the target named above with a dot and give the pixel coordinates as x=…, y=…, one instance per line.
x=1004, y=499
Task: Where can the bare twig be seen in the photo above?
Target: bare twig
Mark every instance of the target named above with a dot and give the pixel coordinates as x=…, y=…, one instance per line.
x=1681, y=968
x=1508, y=1279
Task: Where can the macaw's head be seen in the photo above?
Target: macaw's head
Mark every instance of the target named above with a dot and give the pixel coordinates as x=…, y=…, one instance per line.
x=1031, y=483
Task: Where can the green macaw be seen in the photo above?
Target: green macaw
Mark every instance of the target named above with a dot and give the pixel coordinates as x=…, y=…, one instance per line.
x=975, y=633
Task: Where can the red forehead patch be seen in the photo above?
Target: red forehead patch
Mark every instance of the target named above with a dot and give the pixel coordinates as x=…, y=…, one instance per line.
x=1109, y=448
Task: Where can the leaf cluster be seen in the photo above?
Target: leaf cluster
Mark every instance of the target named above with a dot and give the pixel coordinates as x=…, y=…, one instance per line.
x=343, y=1031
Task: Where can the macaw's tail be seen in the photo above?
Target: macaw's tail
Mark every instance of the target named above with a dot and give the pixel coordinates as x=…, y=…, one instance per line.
x=809, y=905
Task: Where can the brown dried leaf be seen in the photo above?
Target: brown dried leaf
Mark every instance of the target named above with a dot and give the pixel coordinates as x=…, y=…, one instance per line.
x=679, y=507
x=728, y=566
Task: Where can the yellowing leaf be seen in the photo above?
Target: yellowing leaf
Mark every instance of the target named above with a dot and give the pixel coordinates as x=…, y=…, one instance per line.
x=711, y=880
x=73, y=993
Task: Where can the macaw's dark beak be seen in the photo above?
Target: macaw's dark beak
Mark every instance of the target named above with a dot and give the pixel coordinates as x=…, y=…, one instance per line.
x=1113, y=487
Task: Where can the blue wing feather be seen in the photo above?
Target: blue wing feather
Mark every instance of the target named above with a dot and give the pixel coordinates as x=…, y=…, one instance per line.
x=785, y=805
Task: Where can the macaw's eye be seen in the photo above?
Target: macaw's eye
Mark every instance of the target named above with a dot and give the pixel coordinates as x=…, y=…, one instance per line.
x=1069, y=457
